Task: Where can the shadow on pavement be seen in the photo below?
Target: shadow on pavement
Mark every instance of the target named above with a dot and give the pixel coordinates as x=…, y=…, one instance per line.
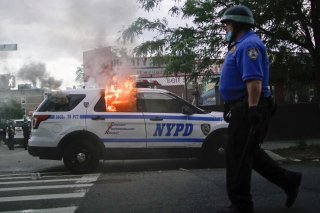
x=118, y=166
x=121, y=166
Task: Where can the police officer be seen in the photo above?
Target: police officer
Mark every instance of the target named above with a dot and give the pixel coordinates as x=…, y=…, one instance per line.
x=26, y=133
x=11, y=133
x=248, y=108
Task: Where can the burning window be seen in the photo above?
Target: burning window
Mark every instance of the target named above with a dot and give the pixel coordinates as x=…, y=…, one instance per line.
x=121, y=96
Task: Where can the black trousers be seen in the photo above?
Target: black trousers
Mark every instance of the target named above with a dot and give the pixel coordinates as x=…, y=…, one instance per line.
x=25, y=140
x=239, y=166
x=11, y=143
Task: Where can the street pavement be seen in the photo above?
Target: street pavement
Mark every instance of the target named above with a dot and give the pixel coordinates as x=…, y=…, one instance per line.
x=170, y=185
x=18, y=160
x=186, y=188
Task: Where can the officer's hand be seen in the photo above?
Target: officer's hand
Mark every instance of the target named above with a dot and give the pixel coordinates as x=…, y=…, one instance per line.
x=254, y=115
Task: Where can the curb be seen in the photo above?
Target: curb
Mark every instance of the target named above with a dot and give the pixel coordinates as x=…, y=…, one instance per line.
x=280, y=158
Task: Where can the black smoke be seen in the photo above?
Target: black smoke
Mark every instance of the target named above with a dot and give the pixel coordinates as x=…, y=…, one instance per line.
x=37, y=74
x=51, y=83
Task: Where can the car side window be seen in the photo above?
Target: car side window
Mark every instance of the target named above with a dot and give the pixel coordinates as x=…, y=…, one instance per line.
x=61, y=102
x=120, y=106
x=159, y=102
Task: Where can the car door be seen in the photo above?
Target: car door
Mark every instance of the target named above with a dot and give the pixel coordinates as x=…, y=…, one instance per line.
x=124, y=128
x=166, y=125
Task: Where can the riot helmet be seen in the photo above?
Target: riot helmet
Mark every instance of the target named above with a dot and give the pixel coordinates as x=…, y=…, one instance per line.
x=240, y=17
x=238, y=14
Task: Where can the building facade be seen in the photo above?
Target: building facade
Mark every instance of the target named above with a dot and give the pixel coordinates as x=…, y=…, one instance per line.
x=28, y=97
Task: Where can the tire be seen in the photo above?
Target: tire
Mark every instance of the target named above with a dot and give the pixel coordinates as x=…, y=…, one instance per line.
x=81, y=157
x=213, y=150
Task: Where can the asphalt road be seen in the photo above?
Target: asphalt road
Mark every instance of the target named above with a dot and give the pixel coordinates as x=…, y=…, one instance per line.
x=138, y=186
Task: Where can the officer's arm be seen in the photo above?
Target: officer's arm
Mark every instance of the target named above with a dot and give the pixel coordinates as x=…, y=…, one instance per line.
x=254, y=88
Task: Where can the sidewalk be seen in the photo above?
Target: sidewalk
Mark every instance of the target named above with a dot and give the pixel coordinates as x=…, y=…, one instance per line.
x=271, y=145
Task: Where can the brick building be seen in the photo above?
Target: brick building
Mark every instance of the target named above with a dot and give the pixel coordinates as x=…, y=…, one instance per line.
x=28, y=97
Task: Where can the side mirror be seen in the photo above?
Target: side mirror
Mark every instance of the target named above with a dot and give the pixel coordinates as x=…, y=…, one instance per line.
x=187, y=110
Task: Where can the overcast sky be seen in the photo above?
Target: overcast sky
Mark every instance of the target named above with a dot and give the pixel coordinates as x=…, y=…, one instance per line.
x=56, y=32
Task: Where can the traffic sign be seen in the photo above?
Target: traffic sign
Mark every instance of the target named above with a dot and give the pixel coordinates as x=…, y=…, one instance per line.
x=8, y=47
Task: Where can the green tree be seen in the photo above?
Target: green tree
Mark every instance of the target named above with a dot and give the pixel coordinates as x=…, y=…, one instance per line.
x=11, y=110
x=286, y=27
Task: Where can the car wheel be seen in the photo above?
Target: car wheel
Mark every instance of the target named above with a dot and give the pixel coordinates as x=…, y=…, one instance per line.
x=80, y=157
x=213, y=151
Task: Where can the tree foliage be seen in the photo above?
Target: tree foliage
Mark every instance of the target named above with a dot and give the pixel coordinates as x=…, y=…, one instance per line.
x=11, y=110
x=291, y=29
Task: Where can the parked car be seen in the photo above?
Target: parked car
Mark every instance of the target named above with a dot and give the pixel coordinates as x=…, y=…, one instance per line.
x=76, y=126
x=18, y=136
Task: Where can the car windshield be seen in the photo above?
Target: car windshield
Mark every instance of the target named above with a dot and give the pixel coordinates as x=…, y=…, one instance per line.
x=19, y=123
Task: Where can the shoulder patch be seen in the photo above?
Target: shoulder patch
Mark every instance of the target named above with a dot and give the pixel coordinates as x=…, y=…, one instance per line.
x=253, y=53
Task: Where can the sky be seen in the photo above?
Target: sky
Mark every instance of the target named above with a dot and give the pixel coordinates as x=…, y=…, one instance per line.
x=54, y=34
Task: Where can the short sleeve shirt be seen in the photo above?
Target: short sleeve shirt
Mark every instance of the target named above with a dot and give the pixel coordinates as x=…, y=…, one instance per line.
x=246, y=60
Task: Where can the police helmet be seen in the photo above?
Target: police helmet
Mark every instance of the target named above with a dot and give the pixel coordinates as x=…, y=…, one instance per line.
x=238, y=14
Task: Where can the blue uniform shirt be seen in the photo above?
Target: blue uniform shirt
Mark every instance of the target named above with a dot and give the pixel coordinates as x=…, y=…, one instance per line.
x=246, y=60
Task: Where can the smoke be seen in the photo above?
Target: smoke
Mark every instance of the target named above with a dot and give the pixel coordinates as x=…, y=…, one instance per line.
x=51, y=83
x=99, y=21
x=36, y=72
x=33, y=72
x=101, y=69
x=58, y=32
x=63, y=28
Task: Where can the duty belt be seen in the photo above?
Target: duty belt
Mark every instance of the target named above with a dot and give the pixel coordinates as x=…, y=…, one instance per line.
x=236, y=104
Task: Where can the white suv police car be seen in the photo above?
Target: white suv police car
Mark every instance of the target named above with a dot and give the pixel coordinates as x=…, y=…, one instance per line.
x=74, y=126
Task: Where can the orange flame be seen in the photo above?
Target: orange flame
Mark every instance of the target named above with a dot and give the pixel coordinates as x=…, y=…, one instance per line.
x=121, y=96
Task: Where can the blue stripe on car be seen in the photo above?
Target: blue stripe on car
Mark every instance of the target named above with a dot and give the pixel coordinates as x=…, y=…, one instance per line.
x=170, y=117
x=152, y=140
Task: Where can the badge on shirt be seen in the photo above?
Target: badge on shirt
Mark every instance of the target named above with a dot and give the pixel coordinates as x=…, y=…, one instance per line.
x=232, y=50
x=253, y=53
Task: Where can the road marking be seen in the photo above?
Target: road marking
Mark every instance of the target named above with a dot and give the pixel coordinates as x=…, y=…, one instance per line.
x=45, y=187
x=88, y=178
x=42, y=176
x=84, y=179
x=80, y=184
x=70, y=209
x=10, y=175
x=12, y=178
x=39, y=181
x=42, y=197
x=28, y=174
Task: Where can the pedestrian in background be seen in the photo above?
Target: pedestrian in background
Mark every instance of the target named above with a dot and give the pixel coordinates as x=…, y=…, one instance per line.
x=244, y=85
